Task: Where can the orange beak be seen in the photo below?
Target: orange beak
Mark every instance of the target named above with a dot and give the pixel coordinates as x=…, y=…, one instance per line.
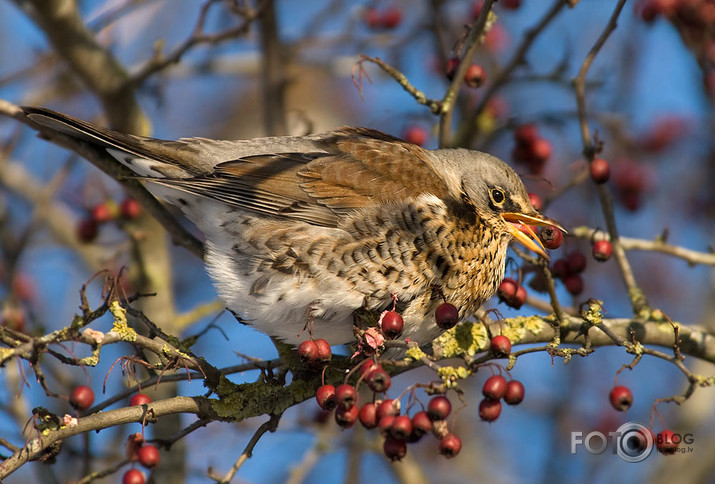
x=519, y=225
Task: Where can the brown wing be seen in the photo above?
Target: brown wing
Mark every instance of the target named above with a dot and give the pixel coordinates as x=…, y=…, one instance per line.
x=360, y=168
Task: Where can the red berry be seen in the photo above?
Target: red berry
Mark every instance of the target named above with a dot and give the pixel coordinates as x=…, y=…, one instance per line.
x=368, y=366
x=133, y=476
x=391, y=18
x=324, y=351
x=489, y=409
x=134, y=443
x=401, y=427
x=129, y=208
x=346, y=396
x=368, y=415
x=149, y=456
x=574, y=284
x=451, y=68
x=494, y=387
x=140, y=399
x=510, y=4
x=507, y=288
x=101, y=213
x=81, y=398
x=416, y=135
x=526, y=134
x=475, y=76
x=650, y=10
x=394, y=449
x=421, y=423
x=87, y=230
x=535, y=201
x=446, y=316
x=378, y=380
x=391, y=324
x=500, y=345
x=346, y=417
x=600, y=170
x=384, y=425
x=514, y=392
x=577, y=261
x=450, y=446
x=551, y=237
x=438, y=408
x=560, y=268
x=325, y=396
x=666, y=442
x=372, y=18
x=511, y=293
x=621, y=398
x=388, y=407
x=602, y=250
x=541, y=150
x=630, y=180
x=308, y=351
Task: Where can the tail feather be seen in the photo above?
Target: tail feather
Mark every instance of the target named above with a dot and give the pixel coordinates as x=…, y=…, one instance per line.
x=147, y=157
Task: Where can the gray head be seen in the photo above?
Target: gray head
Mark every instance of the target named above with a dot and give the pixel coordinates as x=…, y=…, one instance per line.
x=495, y=191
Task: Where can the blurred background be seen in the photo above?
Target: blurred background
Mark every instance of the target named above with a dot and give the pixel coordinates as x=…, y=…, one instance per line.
x=293, y=69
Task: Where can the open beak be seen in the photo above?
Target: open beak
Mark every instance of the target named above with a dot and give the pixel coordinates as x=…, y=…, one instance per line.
x=519, y=225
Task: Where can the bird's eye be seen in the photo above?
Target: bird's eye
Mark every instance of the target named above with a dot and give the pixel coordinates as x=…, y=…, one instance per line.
x=497, y=196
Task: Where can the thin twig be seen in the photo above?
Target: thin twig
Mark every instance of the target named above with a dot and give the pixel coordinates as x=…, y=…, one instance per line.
x=269, y=426
x=693, y=257
x=590, y=149
x=467, y=134
x=475, y=33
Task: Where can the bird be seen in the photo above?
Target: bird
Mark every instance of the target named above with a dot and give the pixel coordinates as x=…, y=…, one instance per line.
x=307, y=232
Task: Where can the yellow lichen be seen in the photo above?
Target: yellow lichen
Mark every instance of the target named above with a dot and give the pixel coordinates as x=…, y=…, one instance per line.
x=467, y=338
x=451, y=374
x=120, y=325
x=594, y=312
x=415, y=353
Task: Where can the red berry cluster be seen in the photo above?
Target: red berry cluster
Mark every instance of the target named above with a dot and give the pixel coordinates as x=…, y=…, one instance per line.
x=383, y=19
x=569, y=271
x=315, y=352
x=512, y=293
x=385, y=415
x=531, y=149
x=105, y=212
x=137, y=450
x=496, y=388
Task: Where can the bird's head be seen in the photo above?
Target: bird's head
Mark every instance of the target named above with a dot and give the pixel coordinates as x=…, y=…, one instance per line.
x=497, y=195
